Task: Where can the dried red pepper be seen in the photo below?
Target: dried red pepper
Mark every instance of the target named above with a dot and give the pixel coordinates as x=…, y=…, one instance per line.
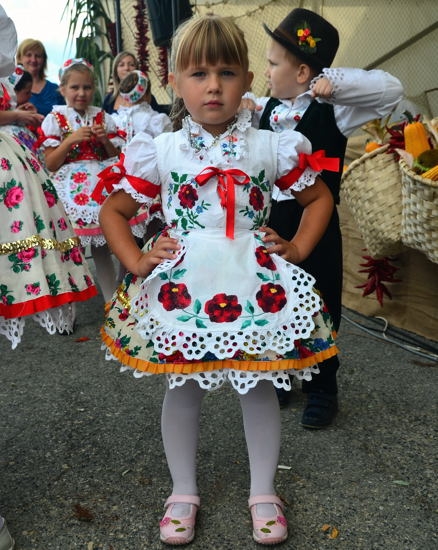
x=379, y=270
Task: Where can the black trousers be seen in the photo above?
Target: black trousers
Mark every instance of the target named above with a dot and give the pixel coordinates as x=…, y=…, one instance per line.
x=325, y=264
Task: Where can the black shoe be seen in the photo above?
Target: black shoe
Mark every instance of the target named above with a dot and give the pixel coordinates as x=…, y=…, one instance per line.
x=320, y=410
x=284, y=397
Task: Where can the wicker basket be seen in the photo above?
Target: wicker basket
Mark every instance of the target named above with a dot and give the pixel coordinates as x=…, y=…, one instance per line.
x=420, y=212
x=371, y=187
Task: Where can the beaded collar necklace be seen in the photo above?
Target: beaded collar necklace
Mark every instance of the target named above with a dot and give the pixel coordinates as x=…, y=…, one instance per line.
x=197, y=142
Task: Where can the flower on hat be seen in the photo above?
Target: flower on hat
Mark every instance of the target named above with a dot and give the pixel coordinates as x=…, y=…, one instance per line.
x=305, y=40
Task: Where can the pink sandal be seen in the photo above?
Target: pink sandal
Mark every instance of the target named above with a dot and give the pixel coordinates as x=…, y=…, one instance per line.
x=176, y=530
x=267, y=530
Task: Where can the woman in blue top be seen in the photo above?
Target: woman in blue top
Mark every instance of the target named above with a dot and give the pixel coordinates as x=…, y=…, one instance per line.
x=45, y=94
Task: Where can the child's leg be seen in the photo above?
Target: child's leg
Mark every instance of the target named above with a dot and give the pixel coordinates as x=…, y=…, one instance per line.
x=105, y=270
x=261, y=420
x=180, y=430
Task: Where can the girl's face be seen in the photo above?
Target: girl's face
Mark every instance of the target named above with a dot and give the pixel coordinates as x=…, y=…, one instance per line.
x=78, y=91
x=281, y=73
x=125, y=66
x=212, y=93
x=33, y=62
x=24, y=94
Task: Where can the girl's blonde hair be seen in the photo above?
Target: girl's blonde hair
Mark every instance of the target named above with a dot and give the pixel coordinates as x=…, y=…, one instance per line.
x=30, y=45
x=208, y=39
x=76, y=67
x=114, y=76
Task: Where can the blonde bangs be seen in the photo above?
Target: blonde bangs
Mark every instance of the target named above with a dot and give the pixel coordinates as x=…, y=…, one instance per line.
x=211, y=40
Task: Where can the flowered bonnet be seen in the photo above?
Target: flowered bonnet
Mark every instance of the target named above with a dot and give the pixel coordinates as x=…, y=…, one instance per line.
x=138, y=91
x=74, y=61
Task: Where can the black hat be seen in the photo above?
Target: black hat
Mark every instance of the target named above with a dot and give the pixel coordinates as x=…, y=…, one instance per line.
x=308, y=36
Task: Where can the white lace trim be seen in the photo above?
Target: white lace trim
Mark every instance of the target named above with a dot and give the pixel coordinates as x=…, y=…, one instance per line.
x=335, y=76
x=306, y=179
x=241, y=381
x=60, y=319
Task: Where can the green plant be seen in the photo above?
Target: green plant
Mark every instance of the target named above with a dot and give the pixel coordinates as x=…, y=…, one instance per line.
x=91, y=22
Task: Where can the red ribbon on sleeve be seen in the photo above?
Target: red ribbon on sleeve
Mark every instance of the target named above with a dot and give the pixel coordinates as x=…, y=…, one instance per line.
x=316, y=161
x=227, y=179
x=112, y=175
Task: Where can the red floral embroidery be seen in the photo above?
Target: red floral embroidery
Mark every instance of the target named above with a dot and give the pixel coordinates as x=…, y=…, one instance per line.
x=187, y=196
x=81, y=199
x=256, y=199
x=79, y=177
x=271, y=298
x=223, y=308
x=264, y=258
x=174, y=296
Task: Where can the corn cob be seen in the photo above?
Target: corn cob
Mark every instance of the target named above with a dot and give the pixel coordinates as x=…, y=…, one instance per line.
x=431, y=174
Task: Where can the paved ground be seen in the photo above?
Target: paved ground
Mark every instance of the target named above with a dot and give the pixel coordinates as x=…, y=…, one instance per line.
x=82, y=466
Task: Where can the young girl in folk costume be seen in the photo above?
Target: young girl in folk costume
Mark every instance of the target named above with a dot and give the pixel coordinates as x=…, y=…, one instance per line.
x=137, y=115
x=79, y=141
x=214, y=298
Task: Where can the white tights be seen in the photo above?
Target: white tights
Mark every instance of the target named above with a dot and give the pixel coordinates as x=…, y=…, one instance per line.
x=105, y=270
x=180, y=431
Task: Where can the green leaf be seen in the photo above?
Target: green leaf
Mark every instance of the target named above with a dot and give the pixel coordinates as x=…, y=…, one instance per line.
x=178, y=273
x=184, y=318
x=200, y=324
x=245, y=324
x=197, y=306
x=249, y=307
x=261, y=322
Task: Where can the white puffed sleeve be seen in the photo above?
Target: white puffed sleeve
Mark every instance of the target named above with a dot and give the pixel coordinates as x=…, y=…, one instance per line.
x=112, y=131
x=158, y=123
x=140, y=162
x=290, y=145
x=51, y=130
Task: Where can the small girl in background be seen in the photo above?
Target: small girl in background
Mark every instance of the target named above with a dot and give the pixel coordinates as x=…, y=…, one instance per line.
x=215, y=297
x=79, y=141
x=123, y=64
x=137, y=115
x=18, y=117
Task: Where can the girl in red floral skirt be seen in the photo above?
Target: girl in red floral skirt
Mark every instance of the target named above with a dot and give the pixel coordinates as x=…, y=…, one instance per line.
x=80, y=140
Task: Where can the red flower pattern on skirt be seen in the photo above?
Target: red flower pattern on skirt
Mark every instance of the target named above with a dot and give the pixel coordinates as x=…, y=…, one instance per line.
x=264, y=258
x=174, y=296
x=223, y=308
x=271, y=298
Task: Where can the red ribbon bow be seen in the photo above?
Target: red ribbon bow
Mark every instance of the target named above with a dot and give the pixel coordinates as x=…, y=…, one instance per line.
x=112, y=175
x=5, y=99
x=227, y=179
x=317, y=161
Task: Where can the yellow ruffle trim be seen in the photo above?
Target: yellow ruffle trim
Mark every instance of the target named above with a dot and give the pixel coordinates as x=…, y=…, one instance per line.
x=207, y=366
